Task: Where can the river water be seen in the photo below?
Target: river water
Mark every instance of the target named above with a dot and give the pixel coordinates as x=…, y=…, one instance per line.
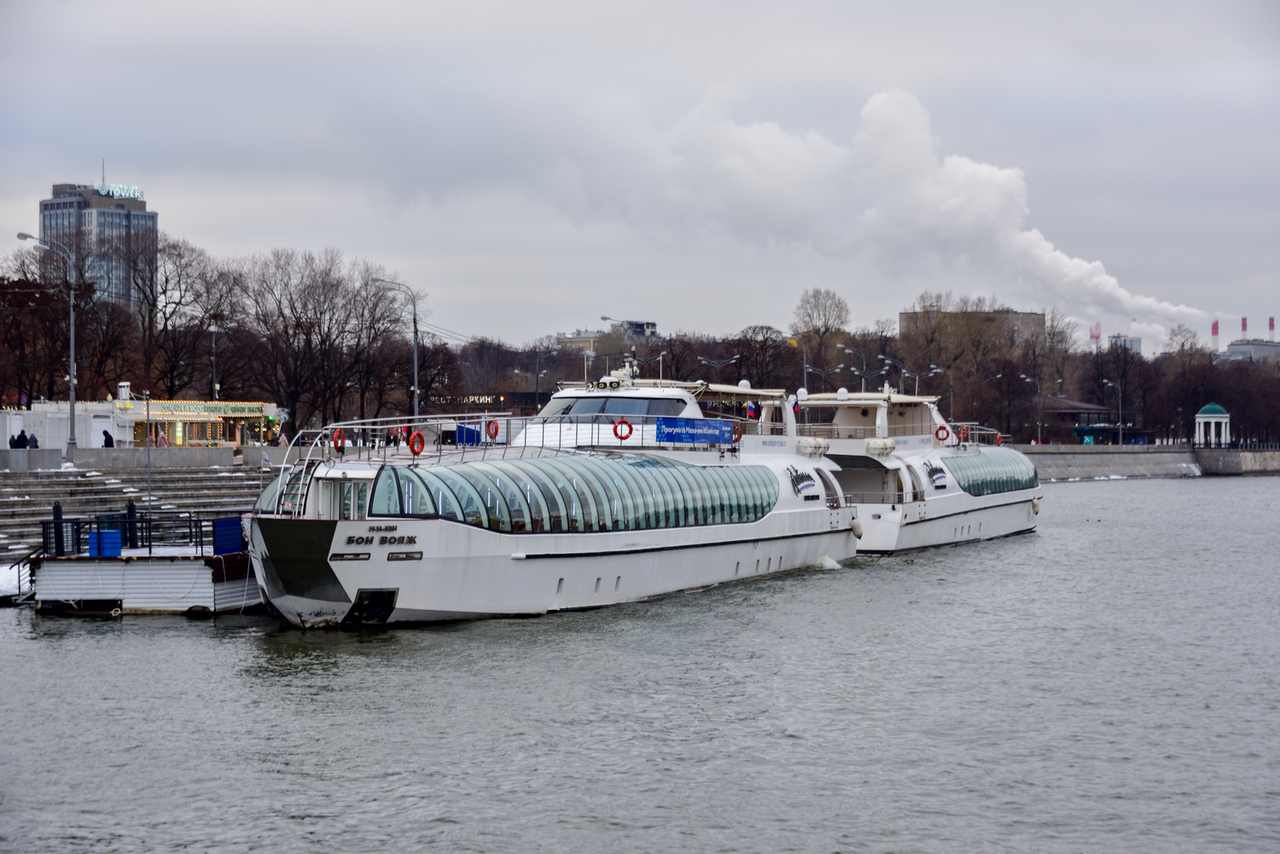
x=1108, y=683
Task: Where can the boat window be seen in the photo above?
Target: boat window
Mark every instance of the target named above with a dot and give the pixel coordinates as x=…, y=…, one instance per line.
x=267, y=500
x=991, y=471
x=555, y=408
x=572, y=494
x=386, y=493
x=665, y=408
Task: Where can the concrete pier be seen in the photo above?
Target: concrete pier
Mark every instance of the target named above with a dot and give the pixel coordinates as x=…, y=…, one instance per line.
x=1088, y=462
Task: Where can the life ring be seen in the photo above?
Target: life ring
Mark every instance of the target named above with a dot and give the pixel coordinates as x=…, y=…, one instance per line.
x=618, y=429
x=737, y=432
x=963, y=433
x=338, y=436
x=999, y=439
x=942, y=433
x=417, y=442
x=491, y=430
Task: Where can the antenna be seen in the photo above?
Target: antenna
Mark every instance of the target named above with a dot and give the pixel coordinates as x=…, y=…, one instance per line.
x=104, y=172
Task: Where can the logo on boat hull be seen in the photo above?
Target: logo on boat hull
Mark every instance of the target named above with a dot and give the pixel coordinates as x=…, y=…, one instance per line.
x=801, y=481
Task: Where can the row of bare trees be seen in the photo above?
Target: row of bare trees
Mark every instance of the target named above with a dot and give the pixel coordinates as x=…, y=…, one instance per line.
x=313, y=333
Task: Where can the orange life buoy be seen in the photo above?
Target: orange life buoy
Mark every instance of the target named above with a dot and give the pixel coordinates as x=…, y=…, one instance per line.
x=417, y=442
x=999, y=439
x=942, y=433
x=737, y=432
x=619, y=426
x=338, y=436
x=963, y=433
x=491, y=430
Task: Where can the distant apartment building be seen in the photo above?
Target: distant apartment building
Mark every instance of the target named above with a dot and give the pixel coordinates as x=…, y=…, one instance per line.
x=1129, y=342
x=101, y=226
x=579, y=339
x=1021, y=326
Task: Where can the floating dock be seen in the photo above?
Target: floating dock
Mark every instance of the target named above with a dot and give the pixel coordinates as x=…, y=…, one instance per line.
x=140, y=583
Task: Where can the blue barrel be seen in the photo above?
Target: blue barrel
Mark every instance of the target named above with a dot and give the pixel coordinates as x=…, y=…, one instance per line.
x=226, y=536
x=104, y=544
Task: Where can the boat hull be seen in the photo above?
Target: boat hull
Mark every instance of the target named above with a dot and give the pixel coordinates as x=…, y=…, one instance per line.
x=889, y=529
x=322, y=573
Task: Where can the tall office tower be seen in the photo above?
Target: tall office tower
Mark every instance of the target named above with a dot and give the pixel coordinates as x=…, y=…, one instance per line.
x=108, y=229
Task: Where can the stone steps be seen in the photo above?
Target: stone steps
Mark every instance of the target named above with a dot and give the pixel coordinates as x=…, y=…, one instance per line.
x=26, y=499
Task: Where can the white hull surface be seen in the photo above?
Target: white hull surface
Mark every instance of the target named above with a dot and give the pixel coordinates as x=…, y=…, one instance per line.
x=962, y=519
x=467, y=572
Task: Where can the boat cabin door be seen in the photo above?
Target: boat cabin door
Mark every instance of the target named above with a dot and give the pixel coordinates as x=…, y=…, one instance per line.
x=834, y=504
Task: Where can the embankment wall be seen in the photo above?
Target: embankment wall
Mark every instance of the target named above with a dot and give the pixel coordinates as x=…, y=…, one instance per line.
x=1063, y=462
x=1226, y=461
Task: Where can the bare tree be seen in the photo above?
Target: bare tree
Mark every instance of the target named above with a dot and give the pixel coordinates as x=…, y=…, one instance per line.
x=818, y=315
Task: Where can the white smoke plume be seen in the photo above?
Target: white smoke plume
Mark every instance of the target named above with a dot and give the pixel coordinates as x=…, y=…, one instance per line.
x=945, y=223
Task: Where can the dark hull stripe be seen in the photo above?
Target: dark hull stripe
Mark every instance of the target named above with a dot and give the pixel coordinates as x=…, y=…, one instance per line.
x=711, y=545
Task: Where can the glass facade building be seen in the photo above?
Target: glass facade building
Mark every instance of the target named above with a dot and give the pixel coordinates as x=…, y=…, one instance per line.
x=576, y=494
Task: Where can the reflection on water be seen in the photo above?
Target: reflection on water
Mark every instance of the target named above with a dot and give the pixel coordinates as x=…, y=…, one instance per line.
x=1109, y=682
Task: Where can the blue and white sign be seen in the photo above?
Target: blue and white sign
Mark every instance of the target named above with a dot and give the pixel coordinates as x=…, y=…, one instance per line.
x=694, y=431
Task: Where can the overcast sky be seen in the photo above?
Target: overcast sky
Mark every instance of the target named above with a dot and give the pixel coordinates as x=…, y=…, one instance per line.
x=533, y=166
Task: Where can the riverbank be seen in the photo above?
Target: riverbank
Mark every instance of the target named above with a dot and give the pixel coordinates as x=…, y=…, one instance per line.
x=1089, y=462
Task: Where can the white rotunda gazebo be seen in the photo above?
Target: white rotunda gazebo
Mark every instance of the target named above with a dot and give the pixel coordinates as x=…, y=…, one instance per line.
x=1213, y=427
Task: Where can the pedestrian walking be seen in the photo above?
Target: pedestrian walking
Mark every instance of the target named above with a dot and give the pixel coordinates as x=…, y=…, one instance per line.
x=34, y=444
x=107, y=441
x=163, y=440
x=13, y=441
x=23, y=442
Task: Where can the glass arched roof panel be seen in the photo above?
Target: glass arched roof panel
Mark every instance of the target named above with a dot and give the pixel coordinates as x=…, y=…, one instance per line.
x=578, y=493
x=992, y=471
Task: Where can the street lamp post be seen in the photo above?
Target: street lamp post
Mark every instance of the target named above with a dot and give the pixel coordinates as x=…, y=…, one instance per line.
x=1039, y=409
x=213, y=332
x=718, y=364
x=851, y=351
x=905, y=373
x=1119, y=409
x=405, y=289
x=537, y=375
x=822, y=373
x=52, y=246
x=868, y=376
x=934, y=369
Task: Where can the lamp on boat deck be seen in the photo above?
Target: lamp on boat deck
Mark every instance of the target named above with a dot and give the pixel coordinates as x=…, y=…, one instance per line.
x=388, y=285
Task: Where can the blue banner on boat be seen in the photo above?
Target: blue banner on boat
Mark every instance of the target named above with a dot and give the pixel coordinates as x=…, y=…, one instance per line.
x=695, y=431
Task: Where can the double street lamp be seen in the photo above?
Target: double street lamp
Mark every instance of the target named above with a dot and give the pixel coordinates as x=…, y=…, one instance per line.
x=1119, y=409
x=388, y=285
x=903, y=369
x=58, y=248
x=934, y=369
x=822, y=373
x=863, y=373
x=1039, y=409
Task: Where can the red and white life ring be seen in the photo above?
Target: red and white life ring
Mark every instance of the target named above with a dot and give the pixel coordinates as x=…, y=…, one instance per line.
x=338, y=437
x=942, y=433
x=963, y=433
x=999, y=439
x=491, y=430
x=417, y=442
x=737, y=432
x=622, y=429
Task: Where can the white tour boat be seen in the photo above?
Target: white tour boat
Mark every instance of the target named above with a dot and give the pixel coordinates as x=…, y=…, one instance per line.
x=916, y=480
x=617, y=491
